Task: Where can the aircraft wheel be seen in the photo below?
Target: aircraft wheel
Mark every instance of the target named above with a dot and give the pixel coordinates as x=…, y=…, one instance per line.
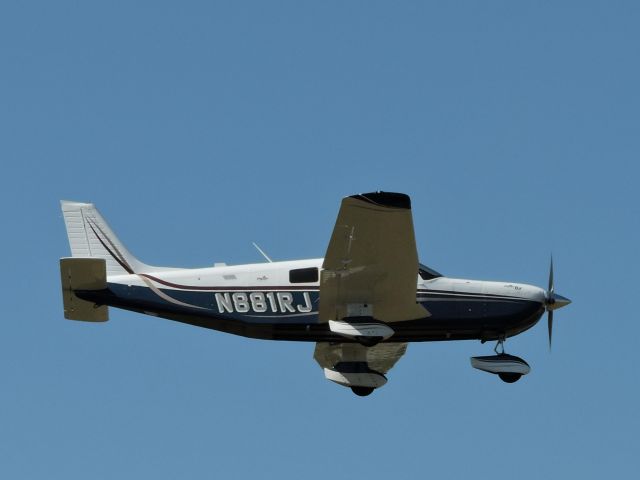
x=362, y=391
x=509, y=377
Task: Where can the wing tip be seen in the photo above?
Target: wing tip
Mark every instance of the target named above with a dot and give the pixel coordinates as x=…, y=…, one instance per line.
x=385, y=199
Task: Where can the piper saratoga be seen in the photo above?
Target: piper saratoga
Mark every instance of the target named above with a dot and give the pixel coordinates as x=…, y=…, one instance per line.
x=362, y=303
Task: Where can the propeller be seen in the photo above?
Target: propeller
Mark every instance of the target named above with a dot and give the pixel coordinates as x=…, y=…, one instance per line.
x=554, y=301
x=550, y=301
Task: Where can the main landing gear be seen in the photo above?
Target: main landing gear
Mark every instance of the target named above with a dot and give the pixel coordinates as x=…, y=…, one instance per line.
x=362, y=391
x=508, y=367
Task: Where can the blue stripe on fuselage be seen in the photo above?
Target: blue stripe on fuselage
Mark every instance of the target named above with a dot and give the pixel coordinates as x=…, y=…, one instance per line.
x=301, y=306
x=251, y=305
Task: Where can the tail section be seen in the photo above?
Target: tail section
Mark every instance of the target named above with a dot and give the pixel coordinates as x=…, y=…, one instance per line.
x=91, y=237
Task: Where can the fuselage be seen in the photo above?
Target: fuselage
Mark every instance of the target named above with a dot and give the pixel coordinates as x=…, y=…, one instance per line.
x=280, y=300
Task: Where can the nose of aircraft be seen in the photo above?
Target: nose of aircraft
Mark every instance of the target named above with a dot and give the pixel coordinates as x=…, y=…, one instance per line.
x=556, y=301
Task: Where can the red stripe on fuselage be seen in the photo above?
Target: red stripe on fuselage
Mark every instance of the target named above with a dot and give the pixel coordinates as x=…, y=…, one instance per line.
x=262, y=288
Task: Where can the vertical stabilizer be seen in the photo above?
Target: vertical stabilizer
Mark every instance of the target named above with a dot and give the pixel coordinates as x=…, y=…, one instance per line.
x=91, y=237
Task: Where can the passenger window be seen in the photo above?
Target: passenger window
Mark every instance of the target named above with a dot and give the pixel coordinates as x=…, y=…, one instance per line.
x=303, y=275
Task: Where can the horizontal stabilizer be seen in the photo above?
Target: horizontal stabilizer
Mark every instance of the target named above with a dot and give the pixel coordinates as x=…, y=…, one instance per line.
x=83, y=274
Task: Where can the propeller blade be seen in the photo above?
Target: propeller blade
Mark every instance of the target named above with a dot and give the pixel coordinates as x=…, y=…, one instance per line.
x=551, y=277
x=550, y=326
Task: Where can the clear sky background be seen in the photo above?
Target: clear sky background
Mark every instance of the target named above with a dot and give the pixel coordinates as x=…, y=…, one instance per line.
x=199, y=127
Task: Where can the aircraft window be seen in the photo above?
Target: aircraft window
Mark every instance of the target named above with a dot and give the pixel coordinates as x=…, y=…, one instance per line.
x=303, y=275
x=427, y=273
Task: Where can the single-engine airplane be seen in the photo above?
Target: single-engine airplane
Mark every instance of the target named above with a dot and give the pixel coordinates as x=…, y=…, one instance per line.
x=362, y=303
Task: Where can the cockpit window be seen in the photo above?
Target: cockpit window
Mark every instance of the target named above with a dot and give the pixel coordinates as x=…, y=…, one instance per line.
x=427, y=273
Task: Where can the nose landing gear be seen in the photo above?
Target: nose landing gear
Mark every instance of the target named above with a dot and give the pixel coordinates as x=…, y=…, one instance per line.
x=508, y=367
x=510, y=377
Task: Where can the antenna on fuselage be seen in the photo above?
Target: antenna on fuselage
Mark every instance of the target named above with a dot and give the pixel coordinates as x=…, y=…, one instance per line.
x=262, y=252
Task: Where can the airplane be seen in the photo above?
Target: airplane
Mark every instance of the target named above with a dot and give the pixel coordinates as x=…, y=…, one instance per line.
x=362, y=303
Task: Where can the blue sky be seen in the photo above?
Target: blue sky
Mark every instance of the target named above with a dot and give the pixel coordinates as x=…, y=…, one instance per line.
x=199, y=127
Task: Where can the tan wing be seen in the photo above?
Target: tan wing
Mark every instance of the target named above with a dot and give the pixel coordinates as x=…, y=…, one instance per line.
x=371, y=261
x=381, y=357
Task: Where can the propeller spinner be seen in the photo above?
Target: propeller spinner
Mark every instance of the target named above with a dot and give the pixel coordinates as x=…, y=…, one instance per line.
x=554, y=301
